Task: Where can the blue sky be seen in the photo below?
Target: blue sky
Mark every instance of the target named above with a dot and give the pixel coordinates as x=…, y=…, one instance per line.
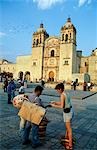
x=20, y=18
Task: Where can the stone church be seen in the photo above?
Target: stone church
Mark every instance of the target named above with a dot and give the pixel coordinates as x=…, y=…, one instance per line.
x=54, y=58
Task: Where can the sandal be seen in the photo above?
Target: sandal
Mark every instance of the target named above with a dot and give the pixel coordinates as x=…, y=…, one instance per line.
x=67, y=144
x=68, y=147
x=66, y=140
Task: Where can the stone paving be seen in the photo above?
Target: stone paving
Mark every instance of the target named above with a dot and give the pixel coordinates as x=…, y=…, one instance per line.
x=84, y=125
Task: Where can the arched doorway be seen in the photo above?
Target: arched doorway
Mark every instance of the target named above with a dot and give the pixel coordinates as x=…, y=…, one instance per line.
x=51, y=76
x=20, y=75
x=86, y=77
x=27, y=75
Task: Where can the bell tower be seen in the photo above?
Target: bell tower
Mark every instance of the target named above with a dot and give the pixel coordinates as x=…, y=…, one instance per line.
x=39, y=37
x=68, y=33
x=38, y=42
x=67, y=51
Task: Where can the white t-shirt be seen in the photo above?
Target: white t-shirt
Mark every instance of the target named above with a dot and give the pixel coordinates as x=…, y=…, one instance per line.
x=89, y=84
x=21, y=89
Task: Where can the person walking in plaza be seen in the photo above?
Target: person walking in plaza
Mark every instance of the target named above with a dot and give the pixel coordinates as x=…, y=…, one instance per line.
x=13, y=87
x=65, y=104
x=74, y=85
x=5, y=84
x=11, y=91
x=42, y=83
x=34, y=98
x=85, y=86
x=89, y=86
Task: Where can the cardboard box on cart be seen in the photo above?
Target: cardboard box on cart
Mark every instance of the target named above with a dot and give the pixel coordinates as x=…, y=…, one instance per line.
x=32, y=112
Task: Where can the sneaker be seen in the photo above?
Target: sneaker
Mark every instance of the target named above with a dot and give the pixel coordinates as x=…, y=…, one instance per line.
x=26, y=142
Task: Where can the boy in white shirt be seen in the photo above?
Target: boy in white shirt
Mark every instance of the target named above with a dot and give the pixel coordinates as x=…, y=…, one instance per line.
x=22, y=89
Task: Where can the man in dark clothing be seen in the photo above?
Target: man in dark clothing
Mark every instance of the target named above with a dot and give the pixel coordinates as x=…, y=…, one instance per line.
x=11, y=91
x=5, y=85
x=85, y=86
x=74, y=85
x=42, y=83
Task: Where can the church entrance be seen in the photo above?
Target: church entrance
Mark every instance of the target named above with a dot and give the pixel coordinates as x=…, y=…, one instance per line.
x=27, y=76
x=51, y=76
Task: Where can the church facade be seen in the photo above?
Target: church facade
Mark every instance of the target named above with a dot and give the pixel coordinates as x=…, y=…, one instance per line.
x=54, y=58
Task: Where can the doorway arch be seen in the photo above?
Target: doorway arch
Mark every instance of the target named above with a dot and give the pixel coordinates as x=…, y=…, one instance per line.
x=27, y=75
x=51, y=76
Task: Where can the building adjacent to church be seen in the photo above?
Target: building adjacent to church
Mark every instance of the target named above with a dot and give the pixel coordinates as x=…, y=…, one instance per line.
x=54, y=58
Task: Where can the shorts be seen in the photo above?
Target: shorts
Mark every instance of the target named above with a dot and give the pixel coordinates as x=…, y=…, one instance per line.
x=67, y=117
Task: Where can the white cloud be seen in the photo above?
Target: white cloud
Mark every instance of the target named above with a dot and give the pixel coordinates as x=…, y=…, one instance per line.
x=82, y=2
x=2, y=34
x=89, y=1
x=45, y=4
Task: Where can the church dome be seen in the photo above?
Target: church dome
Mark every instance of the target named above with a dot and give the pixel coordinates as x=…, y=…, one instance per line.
x=41, y=28
x=68, y=23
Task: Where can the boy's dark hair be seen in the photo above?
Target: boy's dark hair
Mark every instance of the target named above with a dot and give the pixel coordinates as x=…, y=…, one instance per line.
x=38, y=88
x=59, y=86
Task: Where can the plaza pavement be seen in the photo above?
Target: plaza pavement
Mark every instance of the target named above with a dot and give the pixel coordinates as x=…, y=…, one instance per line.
x=84, y=123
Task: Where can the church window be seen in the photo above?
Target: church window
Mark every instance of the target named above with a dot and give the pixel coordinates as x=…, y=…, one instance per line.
x=40, y=39
x=62, y=37
x=85, y=64
x=52, y=53
x=34, y=63
x=66, y=37
x=37, y=41
x=70, y=35
x=34, y=42
x=66, y=62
